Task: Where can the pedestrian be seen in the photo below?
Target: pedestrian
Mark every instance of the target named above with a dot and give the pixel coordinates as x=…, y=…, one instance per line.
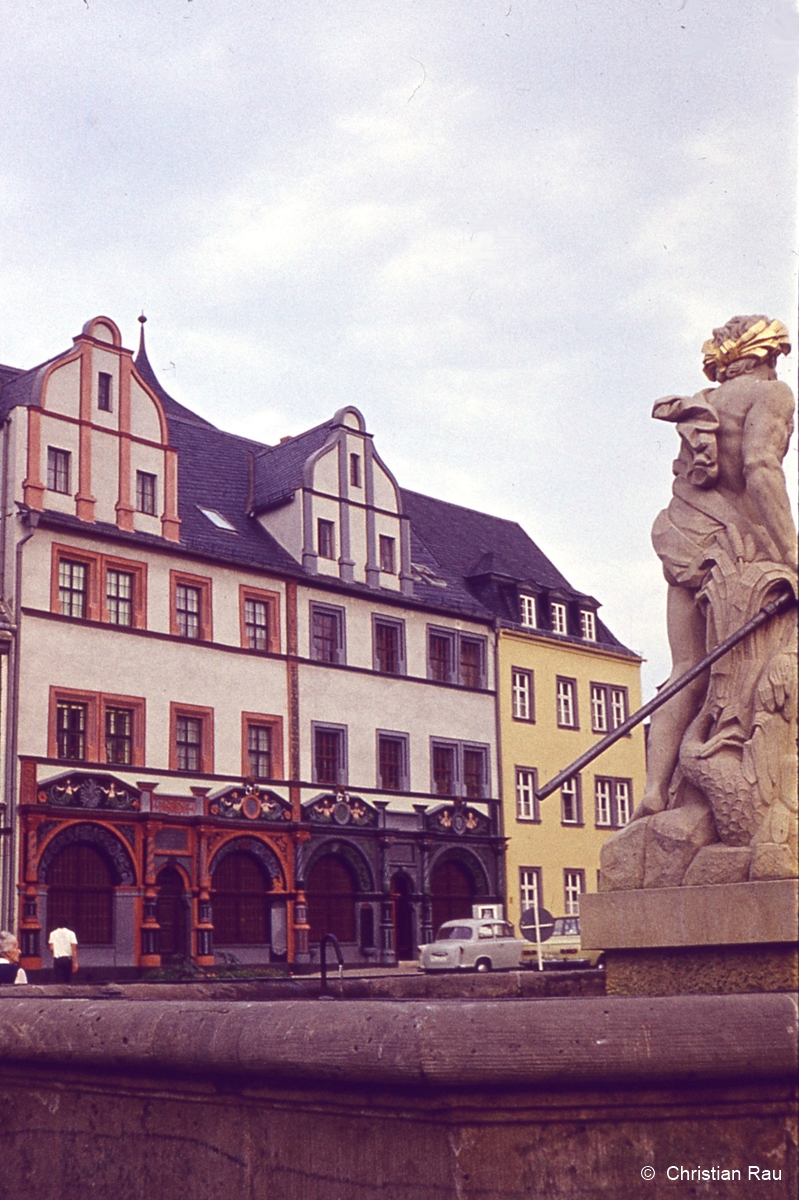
x=64, y=948
x=10, y=971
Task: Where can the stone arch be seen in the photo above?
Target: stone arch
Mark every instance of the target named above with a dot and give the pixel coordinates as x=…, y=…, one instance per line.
x=351, y=854
x=104, y=839
x=260, y=850
x=467, y=859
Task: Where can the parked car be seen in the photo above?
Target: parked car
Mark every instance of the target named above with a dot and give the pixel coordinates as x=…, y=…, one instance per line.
x=472, y=945
x=564, y=949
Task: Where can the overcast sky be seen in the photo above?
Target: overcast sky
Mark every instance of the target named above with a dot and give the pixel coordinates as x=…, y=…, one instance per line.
x=500, y=228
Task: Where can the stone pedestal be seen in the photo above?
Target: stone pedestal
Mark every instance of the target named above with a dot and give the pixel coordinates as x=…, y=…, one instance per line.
x=663, y=941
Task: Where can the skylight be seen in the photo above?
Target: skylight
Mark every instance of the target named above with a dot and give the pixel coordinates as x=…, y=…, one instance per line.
x=217, y=519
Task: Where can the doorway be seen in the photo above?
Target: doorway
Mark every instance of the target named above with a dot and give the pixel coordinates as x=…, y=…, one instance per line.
x=403, y=917
x=170, y=911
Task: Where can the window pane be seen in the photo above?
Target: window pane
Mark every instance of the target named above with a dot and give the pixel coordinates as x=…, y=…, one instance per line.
x=256, y=623
x=104, y=391
x=603, y=802
x=81, y=895
x=71, y=731
x=599, y=709
x=187, y=610
x=444, y=770
x=521, y=695
x=440, y=655
x=387, y=554
x=188, y=739
x=259, y=751
x=387, y=648
x=58, y=469
x=119, y=597
x=471, y=663
x=622, y=801
x=119, y=735
x=566, y=703
x=325, y=539
x=474, y=773
x=326, y=638
x=527, y=607
x=390, y=763
x=573, y=887
x=618, y=706
x=328, y=756
x=72, y=588
x=240, y=901
x=525, y=795
x=568, y=795
x=588, y=626
x=355, y=470
x=145, y=492
x=529, y=887
x=559, y=618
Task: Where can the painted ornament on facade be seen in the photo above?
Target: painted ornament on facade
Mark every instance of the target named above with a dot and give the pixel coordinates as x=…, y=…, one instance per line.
x=89, y=791
x=249, y=804
x=341, y=809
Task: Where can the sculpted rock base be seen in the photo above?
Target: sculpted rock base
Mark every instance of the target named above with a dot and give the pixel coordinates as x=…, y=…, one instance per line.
x=719, y=864
x=672, y=841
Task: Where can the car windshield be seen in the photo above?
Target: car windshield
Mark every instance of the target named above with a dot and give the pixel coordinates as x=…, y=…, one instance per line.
x=502, y=929
x=567, y=927
x=461, y=933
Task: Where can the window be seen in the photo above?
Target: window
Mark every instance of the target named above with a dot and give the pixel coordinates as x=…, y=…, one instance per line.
x=613, y=801
x=119, y=597
x=566, y=690
x=259, y=619
x=72, y=587
x=392, y=761
x=355, y=470
x=459, y=769
x=456, y=658
x=80, y=894
x=191, y=606
x=444, y=759
x=387, y=557
x=329, y=747
x=573, y=888
x=104, y=392
x=526, y=800
x=58, y=470
x=325, y=539
x=71, y=721
x=389, y=649
x=471, y=662
x=95, y=727
x=145, y=493
x=527, y=611
x=327, y=634
x=522, y=695
x=261, y=746
x=191, y=741
x=97, y=587
x=530, y=887
x=331, y=888
x=440, y=656
x=558, y=617
x=588, y=625
x=118, y=735
x=570, y=805
x=608, y=707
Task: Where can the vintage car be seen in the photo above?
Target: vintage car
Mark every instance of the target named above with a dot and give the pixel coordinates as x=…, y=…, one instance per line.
x=476, y=945
x=563, y=948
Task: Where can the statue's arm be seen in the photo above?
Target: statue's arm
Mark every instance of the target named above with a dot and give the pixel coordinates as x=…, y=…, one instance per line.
x=767, y=430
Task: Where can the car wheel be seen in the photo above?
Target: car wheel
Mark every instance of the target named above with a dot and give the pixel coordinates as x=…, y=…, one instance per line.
x=483, y=964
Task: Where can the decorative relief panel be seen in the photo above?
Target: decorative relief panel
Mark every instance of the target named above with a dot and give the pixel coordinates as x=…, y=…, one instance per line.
x=340, y=809
x=457, y=818
x=249, y=804
x=77, y=790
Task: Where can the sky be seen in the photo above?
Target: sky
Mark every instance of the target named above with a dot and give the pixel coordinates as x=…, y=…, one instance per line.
x=500, y=229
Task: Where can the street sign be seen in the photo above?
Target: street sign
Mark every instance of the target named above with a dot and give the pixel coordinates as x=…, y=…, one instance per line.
x=546, y=923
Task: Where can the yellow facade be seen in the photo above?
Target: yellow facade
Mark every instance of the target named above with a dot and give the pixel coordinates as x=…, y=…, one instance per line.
x=557, y=836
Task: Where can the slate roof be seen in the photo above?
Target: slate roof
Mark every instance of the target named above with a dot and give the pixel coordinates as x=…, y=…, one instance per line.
x=279, y=469
x=465, y=562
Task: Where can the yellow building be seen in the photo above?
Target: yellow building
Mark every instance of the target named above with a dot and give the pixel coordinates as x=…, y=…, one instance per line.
x=564, y=682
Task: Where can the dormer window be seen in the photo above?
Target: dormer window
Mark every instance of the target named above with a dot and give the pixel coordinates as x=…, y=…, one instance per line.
x=58, y=470
x=558, y=617
x=355, y=470
x=527, y=611
x=325, y=537
x=104, y=391
x=588, y=625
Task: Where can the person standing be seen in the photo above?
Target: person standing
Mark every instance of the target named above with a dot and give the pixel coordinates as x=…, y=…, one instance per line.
x=10, y=971
x=64, y=948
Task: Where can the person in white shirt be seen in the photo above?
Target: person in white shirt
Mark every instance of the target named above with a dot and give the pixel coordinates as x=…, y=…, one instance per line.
x=10, y=972
x=64, y=948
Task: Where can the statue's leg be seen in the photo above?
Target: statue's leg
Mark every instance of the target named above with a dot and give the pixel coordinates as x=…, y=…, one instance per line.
x=686, y=629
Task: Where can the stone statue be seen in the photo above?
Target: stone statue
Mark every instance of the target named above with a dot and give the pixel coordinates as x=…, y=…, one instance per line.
x=720, y=804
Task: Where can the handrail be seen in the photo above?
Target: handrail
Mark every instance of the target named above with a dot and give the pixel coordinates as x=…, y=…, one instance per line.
x=329, y=937
x=779, y=604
